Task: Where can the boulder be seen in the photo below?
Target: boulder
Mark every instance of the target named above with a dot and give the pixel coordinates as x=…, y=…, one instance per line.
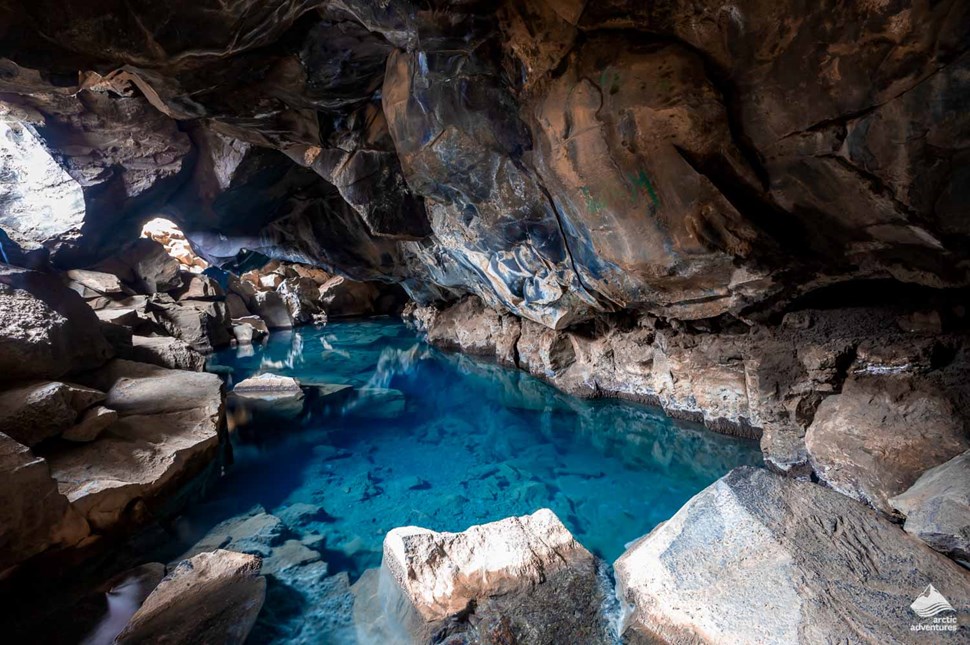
x=527, y=574
x=760, y=558
x=166, y=351
x=168, y=430
x=205, y=326
x=236, y=306
x=91, y=424
x=473, y=328
x=46, y=329
x=271, y=307
x=302, y=298
x=34, y=516
x=196, y=286
x=144, y=266
x=874, y=439
x=38, y=411
x=277, y=395
x=937, y=508
x=256, y=533
x=211, y=598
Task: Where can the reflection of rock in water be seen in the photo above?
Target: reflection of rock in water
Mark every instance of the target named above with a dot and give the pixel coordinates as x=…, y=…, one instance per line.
x=124, y=598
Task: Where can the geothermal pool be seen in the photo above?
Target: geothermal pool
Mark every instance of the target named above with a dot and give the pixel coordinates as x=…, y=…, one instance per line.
x=432, y=439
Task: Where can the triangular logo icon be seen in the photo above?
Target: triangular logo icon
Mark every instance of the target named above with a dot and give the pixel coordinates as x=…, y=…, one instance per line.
x=930, y=603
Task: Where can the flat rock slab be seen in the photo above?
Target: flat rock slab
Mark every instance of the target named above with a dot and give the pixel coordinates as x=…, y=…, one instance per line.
x=937, y=508
x=166, y=351
x=758, y=558
x=212, y=598
x=167, y=430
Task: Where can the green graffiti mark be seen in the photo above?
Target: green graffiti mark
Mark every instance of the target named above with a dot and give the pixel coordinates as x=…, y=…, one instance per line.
x=593, y=205
x=609, y=81
x=642, y=182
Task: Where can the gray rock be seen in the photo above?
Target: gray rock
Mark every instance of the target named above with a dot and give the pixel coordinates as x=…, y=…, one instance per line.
x=167, y=432
x=937, y=508
x=46, y=329
x=166, y=351
x=91, y=424
x=144, y=266
x=759, y=558
x=97, y=281
x=205, y=326
x=39, y=411
x=211, y=598
x=271, y=307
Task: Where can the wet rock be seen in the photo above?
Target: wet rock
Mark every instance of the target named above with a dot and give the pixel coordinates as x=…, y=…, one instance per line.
x=937, y=508
x=272, y=394
x=473, y=328
x=213, y=597
x=520, y=571
x=34, y=515
x=874, y=439
x=39, y=411
x=377, y=403
x=166, y=351
x=167, y=432
x=91, y=424
x=46, y=329
x=256, y=533
x=144, y=266
x=792, y=553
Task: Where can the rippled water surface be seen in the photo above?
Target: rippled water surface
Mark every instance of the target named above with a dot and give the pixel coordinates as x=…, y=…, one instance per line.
x=431, y=439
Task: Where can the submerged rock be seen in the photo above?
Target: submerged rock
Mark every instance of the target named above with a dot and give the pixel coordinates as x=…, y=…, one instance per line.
x=758, y=558
x=211, y=598
x=937, y=508
x=527, y=575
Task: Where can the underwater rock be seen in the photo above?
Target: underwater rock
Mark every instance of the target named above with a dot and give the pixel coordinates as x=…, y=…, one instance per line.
x=34, y=515
x=527, y=573
x=377, y=403
x=166, y=351
x=256, y=532
x=211, y=598
x=757, y=557
x=168, y=430
x=937, y=508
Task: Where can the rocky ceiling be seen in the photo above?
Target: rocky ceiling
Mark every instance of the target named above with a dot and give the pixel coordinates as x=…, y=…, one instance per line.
x=558, y=158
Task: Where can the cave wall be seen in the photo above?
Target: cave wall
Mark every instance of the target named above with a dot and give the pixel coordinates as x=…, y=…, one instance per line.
x=557, y=159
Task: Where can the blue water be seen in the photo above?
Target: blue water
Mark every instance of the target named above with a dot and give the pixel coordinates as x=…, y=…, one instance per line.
x=436, y=440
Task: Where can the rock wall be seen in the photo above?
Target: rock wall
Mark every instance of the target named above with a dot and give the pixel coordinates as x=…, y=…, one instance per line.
x=865, y=399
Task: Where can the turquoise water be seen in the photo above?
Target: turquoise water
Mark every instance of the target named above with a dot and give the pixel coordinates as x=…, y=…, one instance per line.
x=431, y=439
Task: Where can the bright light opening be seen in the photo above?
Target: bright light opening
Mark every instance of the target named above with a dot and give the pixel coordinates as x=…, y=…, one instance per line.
x=168, y=234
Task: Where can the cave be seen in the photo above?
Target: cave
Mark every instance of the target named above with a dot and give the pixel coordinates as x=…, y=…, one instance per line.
x=505, y=322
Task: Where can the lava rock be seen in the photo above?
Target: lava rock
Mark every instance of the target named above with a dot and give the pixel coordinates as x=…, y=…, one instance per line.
x=757, y=557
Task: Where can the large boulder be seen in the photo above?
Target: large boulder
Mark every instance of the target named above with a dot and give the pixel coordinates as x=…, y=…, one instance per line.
x=165, y=351
x=204, y=326
x=526, y=577
x=937, y=508
x=46, y=329
x=38, y=411
x=144, y=266
x=874, y=439
x=168, y=430
x=211, y=598
x=272, y=308
x=759, y=558
x=34, y=515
